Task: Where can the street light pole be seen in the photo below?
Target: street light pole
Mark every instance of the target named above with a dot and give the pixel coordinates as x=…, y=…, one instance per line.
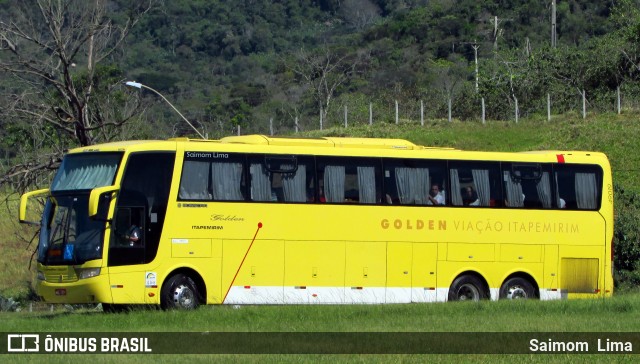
x=141, y=86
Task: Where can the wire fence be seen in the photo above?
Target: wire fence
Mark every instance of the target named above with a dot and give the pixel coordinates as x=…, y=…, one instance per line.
x=346, y=113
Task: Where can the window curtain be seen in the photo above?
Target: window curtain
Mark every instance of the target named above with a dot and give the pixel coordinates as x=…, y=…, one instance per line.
x=334, y=177
x=260, y=183
x=293, y=184
x=559, y=198
x=515, y=198
x=413, y=185
x=403, y=182
x=227, y=179
x=456, y=196
x=544, y=190
x=483, y=189
x=586, y=191
x=367, y=184
x=195, y=181
x=85, y=175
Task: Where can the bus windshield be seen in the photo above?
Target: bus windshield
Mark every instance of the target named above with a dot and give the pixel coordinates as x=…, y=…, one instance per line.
x=67, y=234
x=86, y=171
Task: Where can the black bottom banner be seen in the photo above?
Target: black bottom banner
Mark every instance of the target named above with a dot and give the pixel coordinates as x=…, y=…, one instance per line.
x=323, y=343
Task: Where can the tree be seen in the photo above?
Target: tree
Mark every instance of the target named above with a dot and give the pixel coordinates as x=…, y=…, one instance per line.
x=449, y=77
x=359, y=13
x=60, y=87
x=326, y=70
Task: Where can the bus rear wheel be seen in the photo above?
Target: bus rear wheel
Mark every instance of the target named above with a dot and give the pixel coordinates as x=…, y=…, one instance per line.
x=179, y=292
x=466, y=288
x=517, y=288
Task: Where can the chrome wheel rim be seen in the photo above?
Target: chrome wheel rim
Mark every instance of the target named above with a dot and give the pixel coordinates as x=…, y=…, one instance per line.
x=468, y=292
x=516, y=292
x=183, y=297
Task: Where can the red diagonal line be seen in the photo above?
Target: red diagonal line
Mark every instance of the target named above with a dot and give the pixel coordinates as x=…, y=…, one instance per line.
x=242, y=262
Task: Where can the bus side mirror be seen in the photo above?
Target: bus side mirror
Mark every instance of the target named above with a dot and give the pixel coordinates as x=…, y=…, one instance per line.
x=24, y=199
x=99, y=200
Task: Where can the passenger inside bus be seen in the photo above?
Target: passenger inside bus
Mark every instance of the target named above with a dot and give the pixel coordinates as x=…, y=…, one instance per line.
x=436, y=196
x=134, y=236
x=470, y=197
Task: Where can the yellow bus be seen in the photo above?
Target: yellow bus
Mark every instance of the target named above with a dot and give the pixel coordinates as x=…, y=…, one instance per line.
x=269, y=220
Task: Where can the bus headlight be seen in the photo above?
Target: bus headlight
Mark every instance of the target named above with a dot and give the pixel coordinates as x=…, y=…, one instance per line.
x=83, y=273
x=40, y=276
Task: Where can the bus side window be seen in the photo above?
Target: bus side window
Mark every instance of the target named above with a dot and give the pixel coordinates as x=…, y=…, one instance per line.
x=577, y=186
x=349, y=180
x=475, y=184
x=528, y=185
x=410, y=182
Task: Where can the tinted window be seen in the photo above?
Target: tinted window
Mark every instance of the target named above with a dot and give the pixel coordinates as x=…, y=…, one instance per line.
x=281, y=179
x=528, y=185
x=210, y=176
x=578, y=186
x=475, y=184
x=349, y=180
x=415, y=182
x=141, y=208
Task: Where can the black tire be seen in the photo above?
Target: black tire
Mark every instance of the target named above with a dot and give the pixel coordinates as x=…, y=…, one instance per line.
x=115, y=308
x=467, y=288
x=179, y=292
x=517, y=288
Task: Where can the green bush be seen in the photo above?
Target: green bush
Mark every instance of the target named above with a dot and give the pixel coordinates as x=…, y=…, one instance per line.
x=627, y=238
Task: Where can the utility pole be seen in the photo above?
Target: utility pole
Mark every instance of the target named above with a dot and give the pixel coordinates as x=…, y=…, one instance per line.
x=554, y=35
x=475, y=47
x=475, y=52
x=497, y=32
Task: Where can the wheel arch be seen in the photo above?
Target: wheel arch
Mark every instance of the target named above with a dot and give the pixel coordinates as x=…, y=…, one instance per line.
x=195, y=276
x=479, y=276
x=526, y=276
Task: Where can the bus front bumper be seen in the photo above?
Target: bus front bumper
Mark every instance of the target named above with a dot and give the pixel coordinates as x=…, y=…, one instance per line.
x=88, y=290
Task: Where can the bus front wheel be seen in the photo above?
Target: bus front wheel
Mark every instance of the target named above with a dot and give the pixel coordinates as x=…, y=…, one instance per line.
x=517, y=288
x=179, y=292
x=466, y=288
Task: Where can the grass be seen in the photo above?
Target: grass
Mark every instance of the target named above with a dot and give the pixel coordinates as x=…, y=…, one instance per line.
x=614, y=315
x=15, y=280
x=502, y=316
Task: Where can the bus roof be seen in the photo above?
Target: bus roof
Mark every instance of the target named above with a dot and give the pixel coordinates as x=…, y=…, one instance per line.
x=324, y=145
